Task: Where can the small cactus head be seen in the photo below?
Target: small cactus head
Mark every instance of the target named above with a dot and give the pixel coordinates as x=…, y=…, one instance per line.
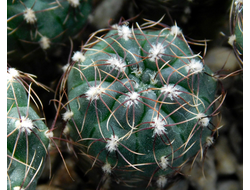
x=38, y=27
x=27, y=135
x=236, y=29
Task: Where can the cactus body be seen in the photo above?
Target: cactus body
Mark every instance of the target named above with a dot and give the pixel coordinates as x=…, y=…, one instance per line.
x=140, y=103
x=40, y=25
x=236, y=38
x=27, y=137
x=239, y=35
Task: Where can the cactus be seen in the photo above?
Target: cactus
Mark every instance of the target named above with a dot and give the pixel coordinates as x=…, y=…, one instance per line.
x=38, y=26
x=236, y=29
x=138, y=99
x=140, y=103
x=27, y=135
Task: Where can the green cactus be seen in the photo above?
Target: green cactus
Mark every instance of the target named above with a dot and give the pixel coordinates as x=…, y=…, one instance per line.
x=38, y=26
x=236, y=27
x=27, y=135
x=140, y=103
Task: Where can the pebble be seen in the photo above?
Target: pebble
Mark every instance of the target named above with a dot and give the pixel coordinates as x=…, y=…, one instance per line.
x=179, y=185
x=218, y=56
x=226, y=160
x=229, y=185
x=47, y=187
x=196, y=177
x=63, y=179
x=102, y=14
x=239, y=173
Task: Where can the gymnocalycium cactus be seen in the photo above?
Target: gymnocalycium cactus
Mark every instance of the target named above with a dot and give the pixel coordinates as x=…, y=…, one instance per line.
x=27, y=135
x=140, y=103
x=236, y=29
x=42, y=24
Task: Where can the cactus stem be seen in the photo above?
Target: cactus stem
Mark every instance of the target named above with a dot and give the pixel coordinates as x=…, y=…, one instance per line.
x=166, y=157
x=131, y=165
x=29, y=15
x=44, y=43
x=134, y=108
x=37, y=170
x=111, y=146
x=28, y=169
x=164, y=163
x=203, y=119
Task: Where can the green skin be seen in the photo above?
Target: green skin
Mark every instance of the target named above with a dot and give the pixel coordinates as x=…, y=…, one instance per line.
x=239, y=31
x=26, y=152
x=50, y=23
x=92, y=117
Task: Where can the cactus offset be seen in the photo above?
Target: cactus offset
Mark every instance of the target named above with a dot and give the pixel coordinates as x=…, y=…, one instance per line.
x=140, y=103
x=236, y=27
x=42, y=25
x=27, y=135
